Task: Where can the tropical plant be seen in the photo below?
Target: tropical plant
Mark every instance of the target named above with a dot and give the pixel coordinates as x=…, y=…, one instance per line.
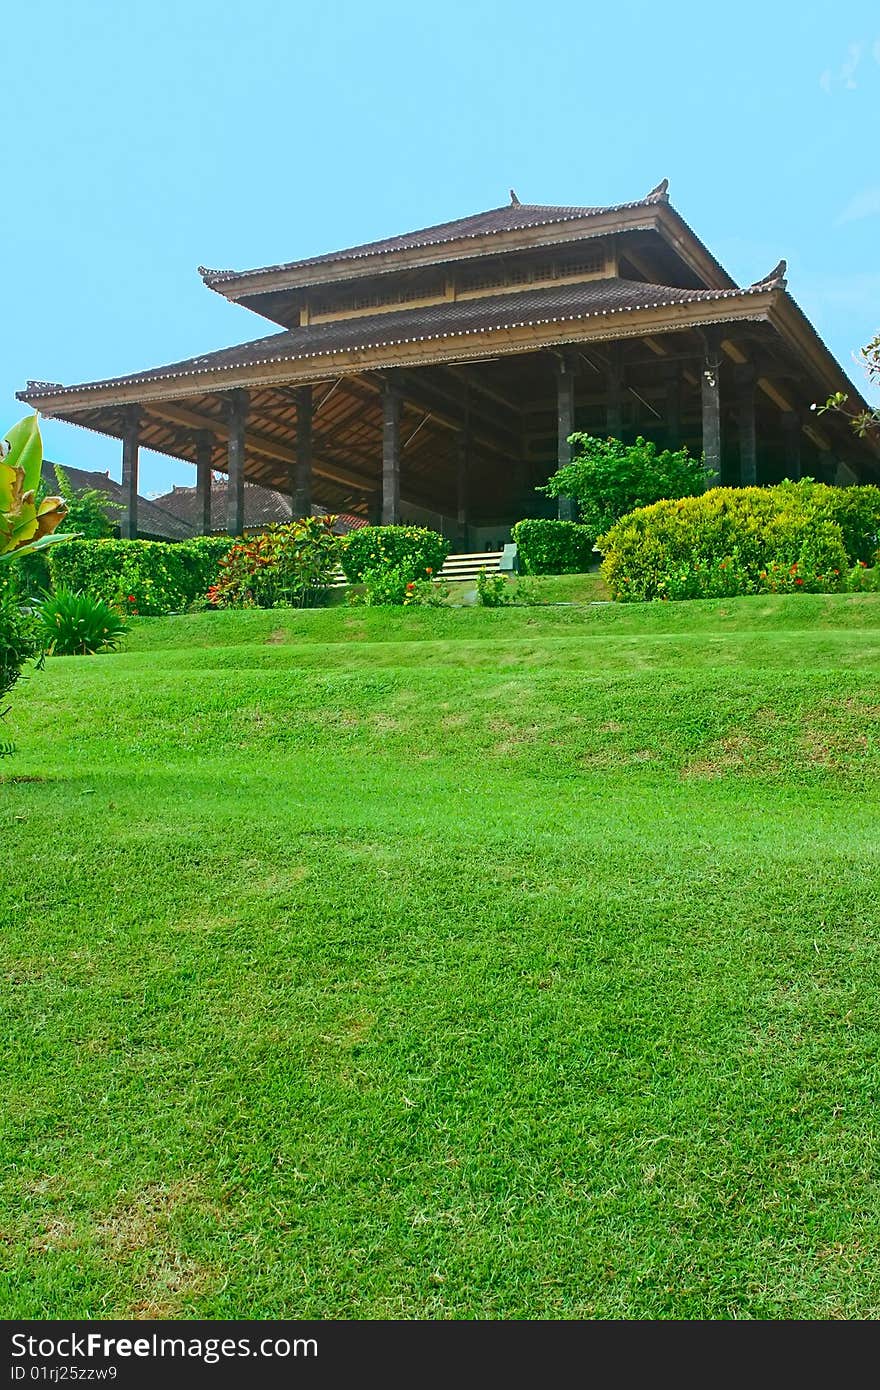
x=79, y=625
x=285, y=566
x=608, y=478
x=26, y=524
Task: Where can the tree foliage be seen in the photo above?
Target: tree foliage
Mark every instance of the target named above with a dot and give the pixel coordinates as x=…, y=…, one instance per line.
x=608, y=478
x=863, y=422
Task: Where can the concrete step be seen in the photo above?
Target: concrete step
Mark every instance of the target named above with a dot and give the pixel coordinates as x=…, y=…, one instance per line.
x=466, y=567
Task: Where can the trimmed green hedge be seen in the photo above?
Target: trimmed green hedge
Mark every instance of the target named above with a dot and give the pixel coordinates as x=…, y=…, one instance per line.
x=796, y=537
x=146, y=577
x=414, y=550
x=554, y=547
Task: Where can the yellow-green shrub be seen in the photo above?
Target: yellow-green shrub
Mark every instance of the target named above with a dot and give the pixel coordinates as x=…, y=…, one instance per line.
x=737, y=541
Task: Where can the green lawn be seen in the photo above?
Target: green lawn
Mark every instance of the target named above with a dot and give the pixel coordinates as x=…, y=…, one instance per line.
x=447, y=963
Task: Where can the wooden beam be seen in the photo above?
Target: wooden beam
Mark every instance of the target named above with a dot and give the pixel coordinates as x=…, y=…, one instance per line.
x=657, y=348
x=734, y=351
x=777, y=397
x=257, y=443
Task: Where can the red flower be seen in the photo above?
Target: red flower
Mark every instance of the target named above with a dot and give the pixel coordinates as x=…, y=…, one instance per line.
x=410, y=586
x=131, y=598
x=428, y=569
x=798, y=581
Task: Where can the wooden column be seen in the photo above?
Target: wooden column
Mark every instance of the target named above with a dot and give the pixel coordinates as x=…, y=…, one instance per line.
x=302, y=479
x=390, y=454
x=204, y=456
x=566, y=509
x=236, y=417
x=791, y=429
x=710, y=379
x=461, y=485
x=128, y=522
x=672, y=405
x=614, y=397
x=745, y=414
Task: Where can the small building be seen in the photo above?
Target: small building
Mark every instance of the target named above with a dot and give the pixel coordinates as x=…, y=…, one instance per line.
x=155, y=522
x=439, y=374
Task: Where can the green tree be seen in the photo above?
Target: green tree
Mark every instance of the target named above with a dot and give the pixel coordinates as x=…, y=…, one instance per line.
x=863, y=421
x=608, y=478
x=88, y=509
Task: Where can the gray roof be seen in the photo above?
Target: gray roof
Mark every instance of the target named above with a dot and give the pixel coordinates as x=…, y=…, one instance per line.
x=447, y=318
x=153, y=519
x=512, y=217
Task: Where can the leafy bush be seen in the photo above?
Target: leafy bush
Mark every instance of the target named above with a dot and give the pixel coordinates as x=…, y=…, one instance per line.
x=554, y=547
x=285, y=566
x=78, y=625
x=493, y=590
x=382, y=587
x=863, y=579
x=145, y=577
x=730, y=541
x=18, y=635
x=609, y=479
x=414, y=550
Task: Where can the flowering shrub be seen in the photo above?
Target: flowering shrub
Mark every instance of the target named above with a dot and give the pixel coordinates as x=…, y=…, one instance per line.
x=863, y=579
x=493, y=590
x=138, y=577
x=425, y=593
x=285, y=566
x=554, y=547
x=381, y=588
x=735, y=541
x=414, y=550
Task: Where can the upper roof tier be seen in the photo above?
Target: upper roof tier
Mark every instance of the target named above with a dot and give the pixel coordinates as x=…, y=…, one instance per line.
x=511, y=227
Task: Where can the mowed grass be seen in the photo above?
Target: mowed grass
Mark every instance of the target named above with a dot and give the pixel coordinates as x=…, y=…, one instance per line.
x=437, y=964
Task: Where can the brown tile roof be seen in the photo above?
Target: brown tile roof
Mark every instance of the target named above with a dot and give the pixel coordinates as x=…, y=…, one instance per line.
x=153, y=519
x=512, y=217
x=447, y=318
x=263, y=506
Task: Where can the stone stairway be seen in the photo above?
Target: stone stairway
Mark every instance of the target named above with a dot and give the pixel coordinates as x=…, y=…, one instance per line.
x=458, y=569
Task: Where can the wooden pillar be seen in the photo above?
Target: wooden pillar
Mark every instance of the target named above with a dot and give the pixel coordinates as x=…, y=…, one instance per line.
x=710, y=379
x=614, y=396
x=745, y=414
x=390, y=454
x=302, y=479
x=128, y=522
x=791, y=429
x=672, y=405
x=564, y=428
x=236, y=417
x=461, y=485
x=204, y=457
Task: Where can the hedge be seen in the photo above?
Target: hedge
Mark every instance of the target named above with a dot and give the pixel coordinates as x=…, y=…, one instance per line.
x=554, y=547
x=795, y=537
x=414, y=550
x=145, y=577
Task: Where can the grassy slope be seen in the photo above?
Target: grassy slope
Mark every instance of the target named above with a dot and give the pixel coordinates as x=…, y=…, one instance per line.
x=447, y=963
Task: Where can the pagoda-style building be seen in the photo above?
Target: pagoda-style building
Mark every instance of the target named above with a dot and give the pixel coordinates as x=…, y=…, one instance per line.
x=437, y=376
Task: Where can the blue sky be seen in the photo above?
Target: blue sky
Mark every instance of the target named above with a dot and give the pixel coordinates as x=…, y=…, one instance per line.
x=140, y=140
